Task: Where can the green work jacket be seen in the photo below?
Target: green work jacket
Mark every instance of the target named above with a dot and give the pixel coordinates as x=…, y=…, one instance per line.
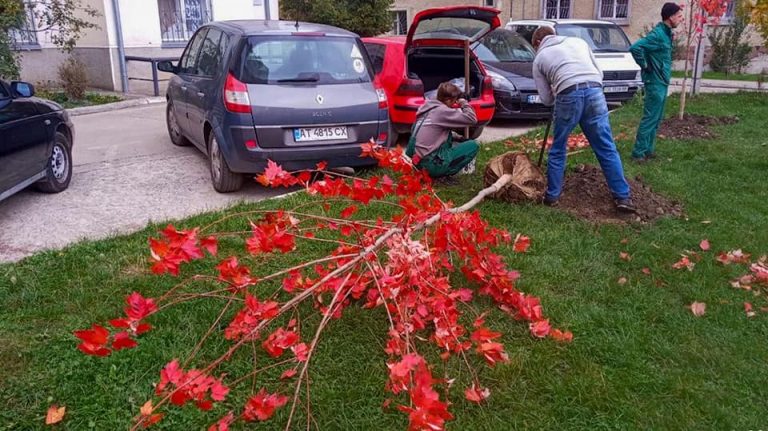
x=653, y=54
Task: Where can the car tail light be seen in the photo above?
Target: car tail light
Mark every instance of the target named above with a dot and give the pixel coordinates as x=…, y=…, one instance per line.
x=251, y=144
x=487, y=87
x=382, y=98
x=411, y=87
x=236, y=96
x=382, y=137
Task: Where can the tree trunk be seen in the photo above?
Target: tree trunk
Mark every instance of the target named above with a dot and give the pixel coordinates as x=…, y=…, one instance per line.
x=688, y=44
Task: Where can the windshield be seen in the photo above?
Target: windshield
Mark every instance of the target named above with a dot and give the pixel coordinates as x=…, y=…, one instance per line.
x=450, y=28
x=304, y=60
x=600, y=37
x=504, y=46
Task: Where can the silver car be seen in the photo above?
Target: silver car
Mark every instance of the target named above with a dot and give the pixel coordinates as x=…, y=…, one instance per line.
x=245, y=92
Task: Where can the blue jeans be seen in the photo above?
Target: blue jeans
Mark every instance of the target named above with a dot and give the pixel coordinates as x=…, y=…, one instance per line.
x=587, y=108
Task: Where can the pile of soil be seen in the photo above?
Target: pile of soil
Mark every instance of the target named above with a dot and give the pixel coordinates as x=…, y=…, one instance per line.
x=586, y=195
x=692, y=126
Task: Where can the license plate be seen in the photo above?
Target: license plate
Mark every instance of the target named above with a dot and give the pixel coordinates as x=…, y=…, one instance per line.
x=320, y=134
x=534, y=98
x=615, y=89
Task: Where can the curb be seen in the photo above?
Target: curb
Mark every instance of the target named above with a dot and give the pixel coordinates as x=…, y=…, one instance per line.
x=114, y=106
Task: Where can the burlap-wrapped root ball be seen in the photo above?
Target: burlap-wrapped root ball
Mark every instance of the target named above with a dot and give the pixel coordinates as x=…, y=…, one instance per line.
x=528, y=184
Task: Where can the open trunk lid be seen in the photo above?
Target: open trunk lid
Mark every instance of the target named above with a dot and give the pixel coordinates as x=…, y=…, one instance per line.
x=452, y=23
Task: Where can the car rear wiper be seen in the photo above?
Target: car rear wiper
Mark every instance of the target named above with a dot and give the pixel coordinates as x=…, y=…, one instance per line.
x=297, y=79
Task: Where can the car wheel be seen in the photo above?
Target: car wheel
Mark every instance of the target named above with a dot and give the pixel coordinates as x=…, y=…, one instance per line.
x=475, y=132
x=59, y=170
x=174, y=131
x=224, y=180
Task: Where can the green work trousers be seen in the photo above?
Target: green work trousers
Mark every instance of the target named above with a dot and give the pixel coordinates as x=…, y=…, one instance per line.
x=653, y=113
x=447, y=159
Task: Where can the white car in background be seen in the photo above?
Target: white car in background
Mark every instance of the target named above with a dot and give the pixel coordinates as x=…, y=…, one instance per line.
x=621, y=75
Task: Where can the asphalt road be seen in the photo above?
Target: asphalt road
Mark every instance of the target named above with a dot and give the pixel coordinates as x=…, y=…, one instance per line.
x=126, y=174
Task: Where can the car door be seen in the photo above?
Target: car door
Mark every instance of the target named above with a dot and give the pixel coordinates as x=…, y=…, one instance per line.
x=24, y=140
x=204, y=88
x=186, y=73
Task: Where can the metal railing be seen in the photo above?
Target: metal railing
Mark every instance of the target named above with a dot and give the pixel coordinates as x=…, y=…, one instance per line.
x=179, y=19
x=153, y=62
x=26, y=34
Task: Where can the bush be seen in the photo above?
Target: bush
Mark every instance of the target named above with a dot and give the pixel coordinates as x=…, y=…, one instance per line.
x=73, y=78
x=729, y=53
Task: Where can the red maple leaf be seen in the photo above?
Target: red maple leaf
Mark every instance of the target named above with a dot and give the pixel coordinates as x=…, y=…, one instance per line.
x=262, y=405
x=123, y=340
x=223, y=423
x=522, y=243
x=563, y=337
x=278, y=341
x=475, y=394
x=94, y=340
x=540, y=329
x=704, y=244
x=348, y=211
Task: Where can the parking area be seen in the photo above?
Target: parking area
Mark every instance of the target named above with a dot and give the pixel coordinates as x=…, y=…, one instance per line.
x=126, y=174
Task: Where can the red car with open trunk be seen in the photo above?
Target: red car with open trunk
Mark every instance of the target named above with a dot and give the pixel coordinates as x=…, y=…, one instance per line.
x=433, y=52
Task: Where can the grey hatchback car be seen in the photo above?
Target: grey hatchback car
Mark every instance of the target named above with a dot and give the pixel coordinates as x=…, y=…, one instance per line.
x=245, y=92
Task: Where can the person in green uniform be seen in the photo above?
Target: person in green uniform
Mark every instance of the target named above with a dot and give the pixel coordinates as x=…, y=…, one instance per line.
x=431, y=143
x=653, y=54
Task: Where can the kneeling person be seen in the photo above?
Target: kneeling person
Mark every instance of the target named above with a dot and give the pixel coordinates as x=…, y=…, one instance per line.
x=431, y=142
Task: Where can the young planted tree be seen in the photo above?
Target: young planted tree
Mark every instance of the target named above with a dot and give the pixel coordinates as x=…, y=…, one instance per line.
x=364, y=17
x=64, y=20
x=423, y=267
x=700, y=13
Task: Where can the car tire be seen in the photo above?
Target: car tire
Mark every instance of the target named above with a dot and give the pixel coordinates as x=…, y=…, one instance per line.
x=174, y=131
x=475, y=132
x=223, y=179
x=58, y=173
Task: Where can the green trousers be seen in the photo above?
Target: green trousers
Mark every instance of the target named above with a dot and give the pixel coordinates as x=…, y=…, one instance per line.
x=653, y=113
x=449, y=159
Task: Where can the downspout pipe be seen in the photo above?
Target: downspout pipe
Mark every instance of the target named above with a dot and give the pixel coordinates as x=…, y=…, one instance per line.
x=120, y=45
x=267, y=10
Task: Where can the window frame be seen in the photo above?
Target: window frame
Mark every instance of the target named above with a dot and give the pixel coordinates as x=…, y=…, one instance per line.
x=544, y=9
x=395, y=13
x=185, y=55
x=25, y=38
x=179, y=38
x=618, y=21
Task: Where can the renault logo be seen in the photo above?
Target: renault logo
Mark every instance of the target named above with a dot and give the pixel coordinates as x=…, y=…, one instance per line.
x=319, y=98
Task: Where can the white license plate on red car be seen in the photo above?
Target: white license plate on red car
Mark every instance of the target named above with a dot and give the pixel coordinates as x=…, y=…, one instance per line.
x=310, y=134
x=534, y=98
x=622, y=89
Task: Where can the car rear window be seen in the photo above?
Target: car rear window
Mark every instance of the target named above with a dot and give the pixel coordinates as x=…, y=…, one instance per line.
x=304, y=60
x=450, y=27
x=504, y=46
x=600, y=37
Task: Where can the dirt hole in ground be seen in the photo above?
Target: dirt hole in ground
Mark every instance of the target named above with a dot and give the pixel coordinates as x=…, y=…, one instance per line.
x=586, y=195
x=692, y=126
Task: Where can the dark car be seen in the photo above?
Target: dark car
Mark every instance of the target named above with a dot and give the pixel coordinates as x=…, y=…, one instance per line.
x=508, y=60
x=245, y=92
x=36, y=138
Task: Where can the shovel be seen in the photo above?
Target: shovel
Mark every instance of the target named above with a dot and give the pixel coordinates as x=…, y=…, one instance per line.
x=544, y=142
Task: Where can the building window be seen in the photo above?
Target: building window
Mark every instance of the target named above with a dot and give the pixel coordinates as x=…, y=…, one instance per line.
x=490, y=3
x=557, y=9
x=179, y=19
x=399, y=22
x=26, y=35
x=613, y=10
x=727, y=17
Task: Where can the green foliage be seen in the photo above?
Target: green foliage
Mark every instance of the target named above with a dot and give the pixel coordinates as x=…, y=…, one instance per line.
x=89, y=99
x=758, y=12
x=364, y=17
x=66, y=20
x=729, y=52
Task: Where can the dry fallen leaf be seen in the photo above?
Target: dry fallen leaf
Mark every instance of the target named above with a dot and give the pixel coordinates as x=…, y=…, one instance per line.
x=704, y=244
x=624, y=240
x=748, y=309
x=625, y=256
x=146, y=409
x=622, y=281
x=55, y=414
x=698, y=308
x=646, y=271
x=706, y=222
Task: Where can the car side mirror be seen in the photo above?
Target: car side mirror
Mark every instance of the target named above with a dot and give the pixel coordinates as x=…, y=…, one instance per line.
x=166, y=66
x=22, y=89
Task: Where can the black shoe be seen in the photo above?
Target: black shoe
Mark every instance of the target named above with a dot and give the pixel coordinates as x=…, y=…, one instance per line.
x=639, y=160
x=651, y=156
x=449, y=180
x=549, y=202
x=625, y=205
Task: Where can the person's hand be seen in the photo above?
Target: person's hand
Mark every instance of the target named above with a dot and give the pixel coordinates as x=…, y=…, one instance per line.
x=462, y=101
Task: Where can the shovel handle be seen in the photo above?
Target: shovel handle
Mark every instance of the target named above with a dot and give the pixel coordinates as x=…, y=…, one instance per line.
x=544, y=142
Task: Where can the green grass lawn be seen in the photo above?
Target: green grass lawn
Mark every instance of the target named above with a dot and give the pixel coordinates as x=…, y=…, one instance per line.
x=66, y=102
x=639, y=359
x=721, y=75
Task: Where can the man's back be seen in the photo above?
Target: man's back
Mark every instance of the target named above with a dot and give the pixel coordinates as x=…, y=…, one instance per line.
x=561, y=62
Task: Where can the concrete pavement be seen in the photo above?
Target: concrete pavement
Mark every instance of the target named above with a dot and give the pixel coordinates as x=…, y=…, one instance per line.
x=126, y=174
